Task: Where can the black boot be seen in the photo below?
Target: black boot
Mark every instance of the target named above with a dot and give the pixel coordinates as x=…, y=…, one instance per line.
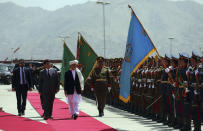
x=197, y=125
x=100, y=113
x=187, y=125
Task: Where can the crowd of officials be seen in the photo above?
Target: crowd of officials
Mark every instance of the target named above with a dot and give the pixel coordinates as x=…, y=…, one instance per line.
x=165, y=89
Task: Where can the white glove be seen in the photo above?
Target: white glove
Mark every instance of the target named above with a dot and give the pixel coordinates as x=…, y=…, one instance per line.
x=196, y=72
x=133, y=83
x=195, y=92
x=153, y=86
x=167, y=70
x=174, y=84
x=173, y=96
x=109, y=89
x=92, y=89
x=187, y=90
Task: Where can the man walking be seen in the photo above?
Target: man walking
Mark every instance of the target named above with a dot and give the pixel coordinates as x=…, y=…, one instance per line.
x=73, y=86
x=48, y=87
x=100, y=82
x=21, y=83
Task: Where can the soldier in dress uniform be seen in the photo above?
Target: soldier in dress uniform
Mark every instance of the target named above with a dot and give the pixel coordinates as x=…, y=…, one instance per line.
x=173, y=91
x=149, y=87
x=193, y=76
x=144, y=89
x=165, y=85
x=139, y=94
x=201, y=87
x=158, y=77
x=100, y=82
x=185, y=104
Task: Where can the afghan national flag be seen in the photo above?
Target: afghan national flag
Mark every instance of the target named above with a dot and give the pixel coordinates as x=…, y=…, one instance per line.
x=67, y=56
x=86, y=56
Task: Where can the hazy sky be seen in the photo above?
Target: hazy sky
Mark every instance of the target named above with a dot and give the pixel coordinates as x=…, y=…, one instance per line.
x=55, y=4
x=46, y=4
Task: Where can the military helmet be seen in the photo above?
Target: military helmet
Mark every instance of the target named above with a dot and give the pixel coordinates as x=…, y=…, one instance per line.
x=195, y=56
x=100, y=58
x=184, y=57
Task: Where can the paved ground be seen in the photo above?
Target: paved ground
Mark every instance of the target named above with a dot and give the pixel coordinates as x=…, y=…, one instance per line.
x=117, y=119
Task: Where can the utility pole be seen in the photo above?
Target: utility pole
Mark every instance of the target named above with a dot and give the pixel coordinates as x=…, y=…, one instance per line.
x=171, y=39
x=103, y=5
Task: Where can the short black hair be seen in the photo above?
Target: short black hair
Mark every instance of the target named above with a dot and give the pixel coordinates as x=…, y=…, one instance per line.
x=46, y=61
x=19, y=61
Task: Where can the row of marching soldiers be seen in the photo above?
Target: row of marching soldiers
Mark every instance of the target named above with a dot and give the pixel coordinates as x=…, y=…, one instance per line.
x=167, y=90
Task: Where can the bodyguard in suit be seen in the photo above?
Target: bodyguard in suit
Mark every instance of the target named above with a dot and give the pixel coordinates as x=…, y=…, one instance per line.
x=48, y=87
x=73, y=86
x=21, y=83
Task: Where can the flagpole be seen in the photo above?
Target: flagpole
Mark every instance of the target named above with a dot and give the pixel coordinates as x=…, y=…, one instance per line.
x=144, y=29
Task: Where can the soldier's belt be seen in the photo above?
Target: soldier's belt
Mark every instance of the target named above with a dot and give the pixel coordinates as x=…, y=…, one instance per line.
x=185, y=82
x=100, y=79
x=194, y=84
x=165, y=82
x=181, y=86
x=139, y=80
x=144, y=79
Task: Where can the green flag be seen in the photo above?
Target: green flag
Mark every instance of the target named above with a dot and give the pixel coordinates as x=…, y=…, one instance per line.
x=86, y=56
x=67, y=56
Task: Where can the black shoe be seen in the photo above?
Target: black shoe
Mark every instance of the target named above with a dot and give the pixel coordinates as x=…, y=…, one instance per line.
x=75, y=116
x=42, y=115
x=165, y=122
x=19, y=114
x=171, y=124
x=186, y=128
x=50, y=117
x=23, y=113
x=46, y=118
x=72, y=116
x=102, y=113
x=178, y=126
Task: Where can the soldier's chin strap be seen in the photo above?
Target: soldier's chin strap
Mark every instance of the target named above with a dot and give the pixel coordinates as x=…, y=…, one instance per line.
x=153, y=102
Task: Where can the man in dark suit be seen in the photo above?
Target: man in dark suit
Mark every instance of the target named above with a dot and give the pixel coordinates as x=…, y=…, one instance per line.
x=21, y=83
x=73, y=86
x=48, y=87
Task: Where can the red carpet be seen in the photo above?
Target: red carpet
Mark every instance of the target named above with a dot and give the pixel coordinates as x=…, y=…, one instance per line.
x=9, y=122
x=62, y=120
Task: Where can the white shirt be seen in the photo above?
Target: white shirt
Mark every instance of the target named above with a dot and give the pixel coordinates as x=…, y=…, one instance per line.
x=48, y=73
x=73, y=73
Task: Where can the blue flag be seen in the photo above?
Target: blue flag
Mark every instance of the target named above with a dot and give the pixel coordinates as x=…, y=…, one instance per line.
x=138, y=48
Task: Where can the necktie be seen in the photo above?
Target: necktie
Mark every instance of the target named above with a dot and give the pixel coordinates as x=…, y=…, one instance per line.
x=48, y=73
x=23, y=77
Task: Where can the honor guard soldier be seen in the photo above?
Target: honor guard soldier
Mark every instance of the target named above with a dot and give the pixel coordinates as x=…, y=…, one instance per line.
x=173, y=94
x=200, y=76
x=165, y=85
x=184, y=93
x=100, y=82
x=158, y=77
x=139, y=86
x=193, y=76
